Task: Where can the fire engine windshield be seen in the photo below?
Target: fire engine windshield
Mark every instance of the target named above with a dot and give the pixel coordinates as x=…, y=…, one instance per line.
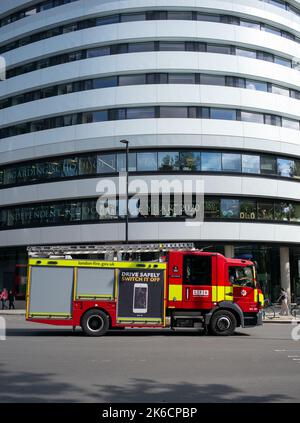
x=242, y=276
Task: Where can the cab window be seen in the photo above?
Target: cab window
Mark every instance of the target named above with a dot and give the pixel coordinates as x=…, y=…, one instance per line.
x=242, y=276
x=197, y=270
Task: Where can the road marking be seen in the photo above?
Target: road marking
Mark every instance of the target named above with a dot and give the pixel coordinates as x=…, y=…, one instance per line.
x=296, y=359
x=293, y=356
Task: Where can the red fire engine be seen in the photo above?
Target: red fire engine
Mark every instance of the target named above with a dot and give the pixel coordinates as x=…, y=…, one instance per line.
x=186, y=290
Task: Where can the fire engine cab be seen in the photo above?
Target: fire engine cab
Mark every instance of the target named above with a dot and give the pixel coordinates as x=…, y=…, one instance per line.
x=182, y=289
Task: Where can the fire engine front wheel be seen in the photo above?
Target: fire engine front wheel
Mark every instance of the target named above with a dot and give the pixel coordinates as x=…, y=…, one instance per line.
x=95, y=323
x=223, y=323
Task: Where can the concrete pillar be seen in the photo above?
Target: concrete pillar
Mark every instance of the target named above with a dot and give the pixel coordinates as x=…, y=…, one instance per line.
x=285, y=273
x=229, y=251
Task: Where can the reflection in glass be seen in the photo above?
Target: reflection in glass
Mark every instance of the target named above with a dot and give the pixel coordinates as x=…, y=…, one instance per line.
x=230, y=209
x=168, y=161
x=106, y=163
x=190, y=161
x=250, y=164
x=211, y=162
x=282, y=211
x=146, y=161
x=265, y=211
x=286, y=167
x=248, y=210
x=231, y=162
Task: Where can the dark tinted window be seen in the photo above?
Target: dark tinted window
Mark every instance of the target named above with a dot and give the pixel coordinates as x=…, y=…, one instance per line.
x=197, y=270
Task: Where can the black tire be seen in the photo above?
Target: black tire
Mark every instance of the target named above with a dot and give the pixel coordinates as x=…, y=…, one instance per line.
x=95, y=323
x=223, y=323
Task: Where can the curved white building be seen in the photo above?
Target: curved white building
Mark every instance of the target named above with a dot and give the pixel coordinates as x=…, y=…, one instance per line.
x=201, y=89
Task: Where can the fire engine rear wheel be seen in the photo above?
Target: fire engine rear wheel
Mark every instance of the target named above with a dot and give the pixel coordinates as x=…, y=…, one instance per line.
x=223, y=323
x=95, y=323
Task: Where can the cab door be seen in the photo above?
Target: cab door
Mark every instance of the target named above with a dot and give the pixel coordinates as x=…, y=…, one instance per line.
x=243, y=288
x=198, y=276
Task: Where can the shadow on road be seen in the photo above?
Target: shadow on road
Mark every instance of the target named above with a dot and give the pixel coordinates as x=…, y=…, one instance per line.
x=11, y=332
x=28, y=387
x=142, y=390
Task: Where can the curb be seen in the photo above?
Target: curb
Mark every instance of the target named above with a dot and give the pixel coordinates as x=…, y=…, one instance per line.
x=12, y=312
x=281, y=321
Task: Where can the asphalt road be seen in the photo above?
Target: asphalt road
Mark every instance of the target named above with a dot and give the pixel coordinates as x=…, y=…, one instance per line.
x=42, y=363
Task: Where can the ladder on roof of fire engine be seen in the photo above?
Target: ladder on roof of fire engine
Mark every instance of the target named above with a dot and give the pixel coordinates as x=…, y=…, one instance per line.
x=69, y=250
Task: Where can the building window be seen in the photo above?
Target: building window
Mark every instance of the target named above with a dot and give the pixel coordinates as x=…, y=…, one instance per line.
x=248, y=210
x=168, y=161
x=268, y=165
x=173, y=112
x=146, y=162
x=286, y=167
x=250, y=164
x=230, y=209
x=265, y=210
x=226, y=114
x=231, y=162
x=252, y=117
x=106, y=163
x=211, y=162
x=190, y=161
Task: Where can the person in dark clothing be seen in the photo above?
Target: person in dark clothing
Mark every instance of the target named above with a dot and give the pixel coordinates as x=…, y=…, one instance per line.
x=11, y=300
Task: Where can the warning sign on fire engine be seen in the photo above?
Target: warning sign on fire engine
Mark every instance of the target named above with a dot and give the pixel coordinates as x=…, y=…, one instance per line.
x=140, y=295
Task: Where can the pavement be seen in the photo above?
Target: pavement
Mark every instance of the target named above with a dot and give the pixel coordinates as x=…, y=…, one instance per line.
x=41, y=363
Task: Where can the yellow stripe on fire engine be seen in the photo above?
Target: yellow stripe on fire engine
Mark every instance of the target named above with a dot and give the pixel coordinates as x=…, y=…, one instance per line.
x=97, y=263
x=222, y=293
x=175, y=292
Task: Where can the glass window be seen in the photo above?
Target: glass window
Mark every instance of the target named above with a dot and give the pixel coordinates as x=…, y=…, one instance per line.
x=132, y=79
x=262, y=55
x=250, y=164
x=168, y=161
x=157, y=78
x=251, y=84
x=250, y=24
x=268, y=165
x=283, y=62
x=100, y=116
x=88, y=211
x=297, y=169
x=280, y=90
x=106, y=163
x=107, y=208
x=282, y=211
x=110, y=81
x=190, y=161
x=182, y=78
x=290, y=123
x=248, y=210
x=252, y=117
x=272, y=120
x=141, y=47
x=121, y=162
x=208, y=18
x=286, y=167
x=156, y=15
x=245, y=53
x=295, y=94
x=171, y=46
x=265, y=210
x=271, y=29
x=226, y=114
x=211, y=162
x=97, y=52
x=182, y=16
x=295, y=212
x=211, y=208
x=141, y=113
x=107, y=20
x=173, y=112
x=212, y=80
x=218, y=48
x=87, y=165
x=146, y=162
x=197, y=270
x=231, y=162
x=230, y=209
x=70, y=167
x=133, y=17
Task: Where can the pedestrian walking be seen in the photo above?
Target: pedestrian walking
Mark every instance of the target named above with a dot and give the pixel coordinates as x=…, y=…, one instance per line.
x=4, y=298
x=283, y=300
x=11, y=300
